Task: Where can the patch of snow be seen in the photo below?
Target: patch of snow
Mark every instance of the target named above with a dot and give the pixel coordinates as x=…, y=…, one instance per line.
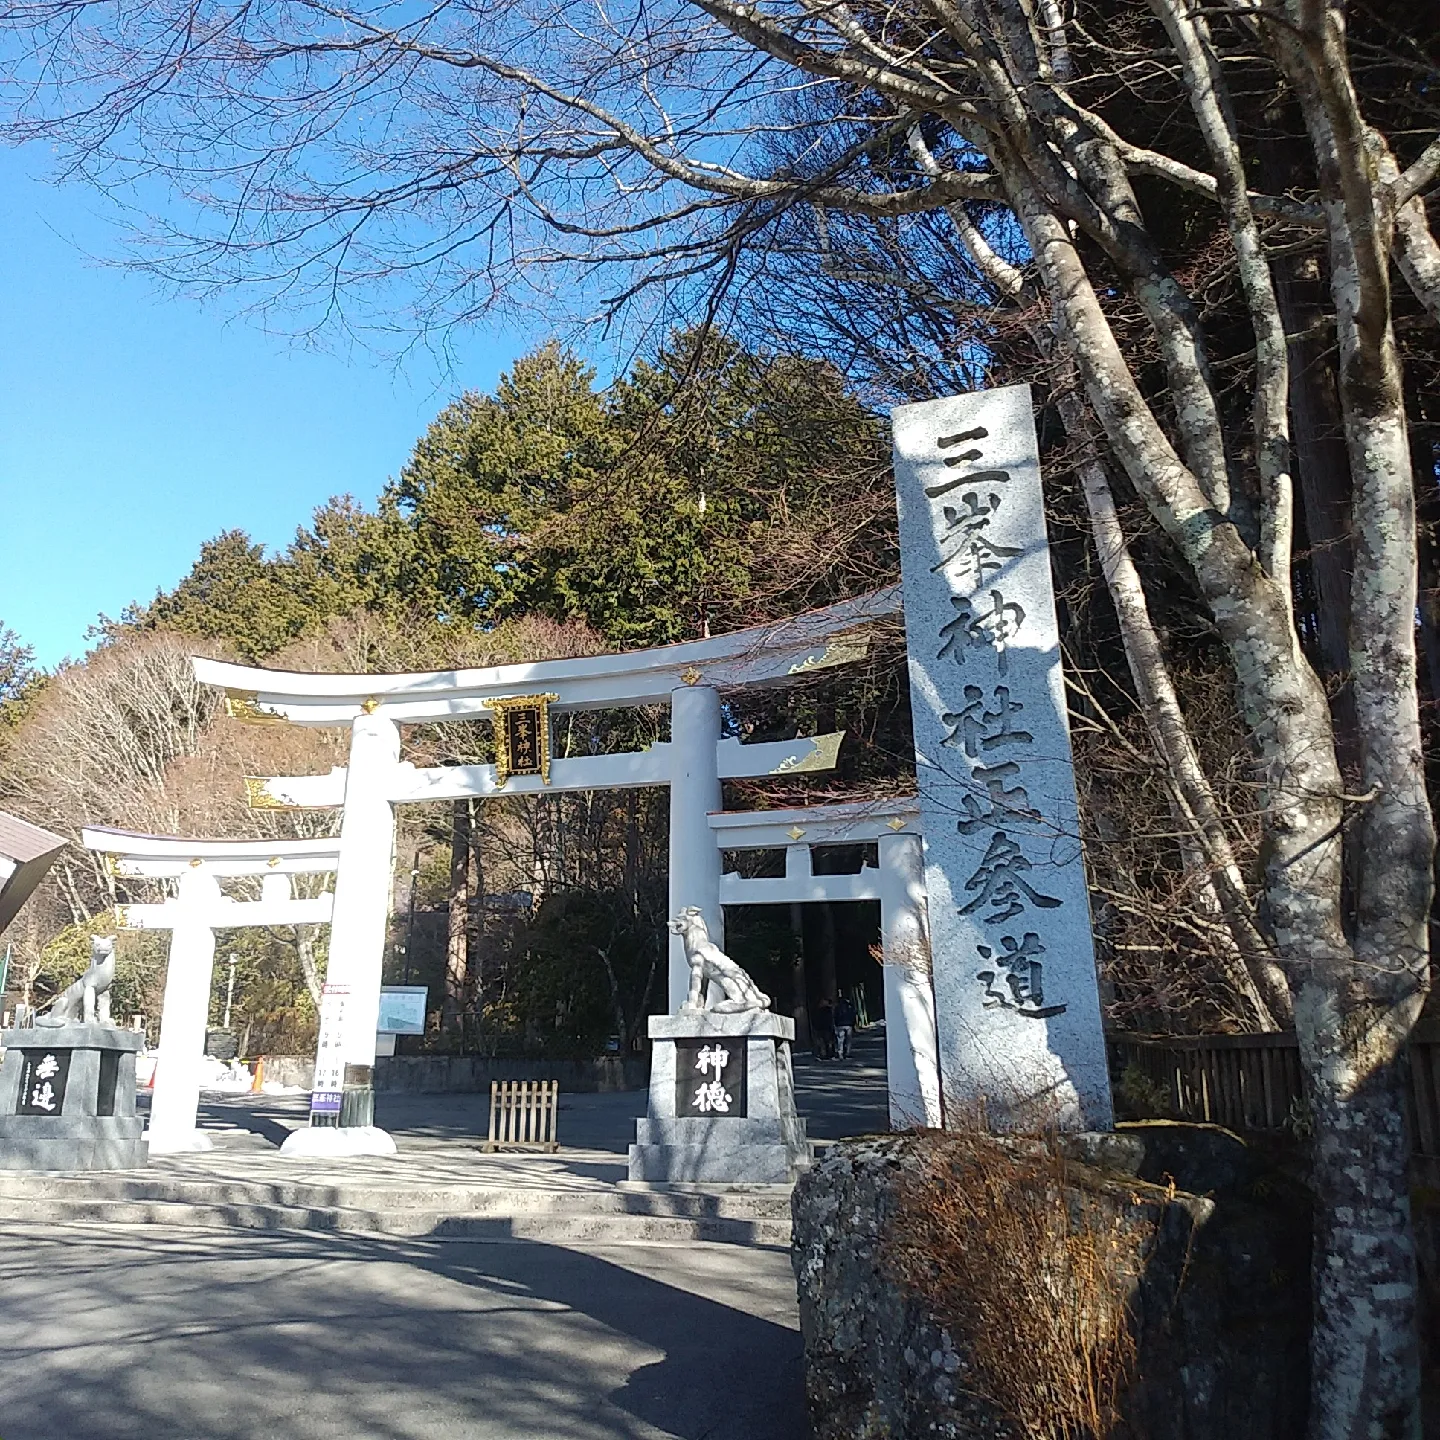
x=331, y=1141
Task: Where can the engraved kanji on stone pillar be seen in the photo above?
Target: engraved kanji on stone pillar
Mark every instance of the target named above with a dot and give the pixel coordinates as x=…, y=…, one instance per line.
x=1017, y=1007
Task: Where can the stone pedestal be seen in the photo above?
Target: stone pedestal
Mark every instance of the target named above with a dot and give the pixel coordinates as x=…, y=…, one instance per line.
x=67, y=1099
x=722, y=1102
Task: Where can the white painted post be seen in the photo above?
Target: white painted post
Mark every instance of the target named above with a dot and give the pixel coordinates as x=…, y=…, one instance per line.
x=911, y=1055
x=176, y=1096
x=694, y=793
x=362, y=896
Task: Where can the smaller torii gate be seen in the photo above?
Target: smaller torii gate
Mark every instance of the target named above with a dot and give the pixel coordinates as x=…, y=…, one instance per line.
x=911, y=1055
x=193, y=915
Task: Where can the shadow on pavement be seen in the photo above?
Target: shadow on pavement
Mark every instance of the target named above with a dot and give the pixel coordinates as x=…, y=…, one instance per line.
x=175, y=1335
x=839, y=1098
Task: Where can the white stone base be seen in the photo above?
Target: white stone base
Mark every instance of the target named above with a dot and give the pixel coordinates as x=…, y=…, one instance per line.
x=331, y=1141
x=185, y=1142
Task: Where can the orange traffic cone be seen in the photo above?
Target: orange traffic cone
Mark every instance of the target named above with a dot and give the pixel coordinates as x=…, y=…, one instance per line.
x=257, y=1085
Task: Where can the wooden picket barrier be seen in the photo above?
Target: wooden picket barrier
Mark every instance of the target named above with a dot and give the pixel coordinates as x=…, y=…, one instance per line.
x=1252, y=1084
x=1243, y=1082
x=522, y=1115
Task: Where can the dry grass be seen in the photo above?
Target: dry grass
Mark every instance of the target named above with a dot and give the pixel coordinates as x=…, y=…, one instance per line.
x=1030, y=1275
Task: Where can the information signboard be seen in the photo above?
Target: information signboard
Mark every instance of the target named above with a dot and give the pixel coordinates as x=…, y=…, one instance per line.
x=402, y=1010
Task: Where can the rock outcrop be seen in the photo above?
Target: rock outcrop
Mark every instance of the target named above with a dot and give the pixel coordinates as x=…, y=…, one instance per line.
x=1211, y=1245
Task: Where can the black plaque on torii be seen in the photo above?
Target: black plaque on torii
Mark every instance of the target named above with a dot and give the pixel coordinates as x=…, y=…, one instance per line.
x=522, y=737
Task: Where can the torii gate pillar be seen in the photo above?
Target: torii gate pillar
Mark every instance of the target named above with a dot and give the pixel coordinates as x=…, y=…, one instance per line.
x=695, y=862
x=911, y=1054
x=176, y=1095
x=350, y=1006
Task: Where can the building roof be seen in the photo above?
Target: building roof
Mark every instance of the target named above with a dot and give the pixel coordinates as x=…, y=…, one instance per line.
x=23, y=842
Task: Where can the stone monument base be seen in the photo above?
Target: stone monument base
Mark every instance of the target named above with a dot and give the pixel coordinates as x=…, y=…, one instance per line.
x=67, y=1099
x=714, y=1120
x=71, y=1142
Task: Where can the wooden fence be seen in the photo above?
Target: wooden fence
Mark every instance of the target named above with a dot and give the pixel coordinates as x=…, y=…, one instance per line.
x=523, y=1115
x=1252, y=1084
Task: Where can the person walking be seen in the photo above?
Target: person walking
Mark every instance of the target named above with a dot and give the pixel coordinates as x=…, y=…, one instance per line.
x=844, y=1026
x=824, y=1030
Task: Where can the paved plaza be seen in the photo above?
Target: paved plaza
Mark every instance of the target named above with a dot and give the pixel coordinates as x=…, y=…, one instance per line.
x=835, y=1099
x=168, y=1333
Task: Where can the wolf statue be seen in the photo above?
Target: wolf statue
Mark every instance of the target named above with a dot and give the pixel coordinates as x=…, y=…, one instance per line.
x=709, y=962
x=87, y=1001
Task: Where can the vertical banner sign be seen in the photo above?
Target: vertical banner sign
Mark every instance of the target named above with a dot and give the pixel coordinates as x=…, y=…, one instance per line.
x=328, y=1086
x=1017, y=1010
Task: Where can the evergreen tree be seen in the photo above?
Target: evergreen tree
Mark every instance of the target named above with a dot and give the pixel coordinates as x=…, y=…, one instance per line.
x=710, y=487
x=483, y=487
x=19, y=679
x=348, y=560
x=232, y=593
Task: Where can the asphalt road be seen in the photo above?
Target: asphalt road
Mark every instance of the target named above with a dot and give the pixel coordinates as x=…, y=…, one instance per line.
x=131, y=1333
x=167, y=1334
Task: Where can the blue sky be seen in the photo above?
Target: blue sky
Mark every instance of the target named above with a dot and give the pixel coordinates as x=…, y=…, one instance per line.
x=134, y=424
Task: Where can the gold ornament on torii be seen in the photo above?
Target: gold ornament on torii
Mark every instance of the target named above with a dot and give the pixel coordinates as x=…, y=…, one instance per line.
x=244, y=705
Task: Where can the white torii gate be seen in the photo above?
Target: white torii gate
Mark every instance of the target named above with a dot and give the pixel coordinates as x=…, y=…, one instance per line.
x=193, y=916
x=911, y=1057
x=692, y=763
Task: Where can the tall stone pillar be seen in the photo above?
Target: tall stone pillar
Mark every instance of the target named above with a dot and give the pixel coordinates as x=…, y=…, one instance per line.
x=1017, y=1005
x=343, y=1093
x=911, y=1056
x=176, y=1095
x=694, y=793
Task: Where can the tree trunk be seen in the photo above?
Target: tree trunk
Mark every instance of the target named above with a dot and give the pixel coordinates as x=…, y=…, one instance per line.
x=631, y=879
x=820, y=957
x=617, y=1001
x=1427, y=510
x=458, y=917
x=1249, y=969
x=305, y=949
x=799, y=980
x=1364, y=1352
x=1354, y=1013
x=475, y=935
x=1324, y=470
x=1354, y=1006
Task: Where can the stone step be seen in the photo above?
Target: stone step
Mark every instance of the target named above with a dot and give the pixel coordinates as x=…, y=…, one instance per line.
x=557, y=1226
x=770, y=1204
